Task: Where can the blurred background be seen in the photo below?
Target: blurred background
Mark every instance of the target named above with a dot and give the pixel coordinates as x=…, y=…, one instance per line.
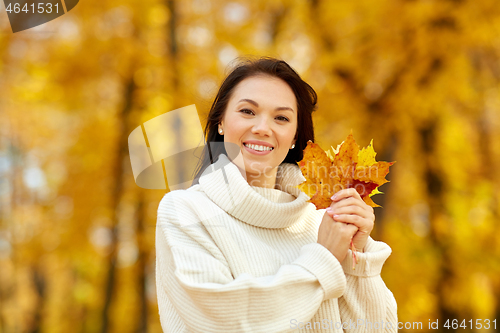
x=419, y=77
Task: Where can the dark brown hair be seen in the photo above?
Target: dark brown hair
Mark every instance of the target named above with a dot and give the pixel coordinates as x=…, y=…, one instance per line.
x=306, y=104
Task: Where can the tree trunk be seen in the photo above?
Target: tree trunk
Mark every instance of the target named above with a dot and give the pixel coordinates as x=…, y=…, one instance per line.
x=435, y=192
x=142, y=325
x=117, y=191
x=39, y=283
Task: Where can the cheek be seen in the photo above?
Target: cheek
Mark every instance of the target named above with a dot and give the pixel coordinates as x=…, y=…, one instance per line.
x=235, y=131
x=288, y=136
x=232, y=128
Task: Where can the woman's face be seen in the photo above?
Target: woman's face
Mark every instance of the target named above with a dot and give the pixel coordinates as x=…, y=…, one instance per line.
x=261, y=118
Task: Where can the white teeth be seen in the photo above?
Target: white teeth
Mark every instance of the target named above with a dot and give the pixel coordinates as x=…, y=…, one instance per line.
x=258, y=148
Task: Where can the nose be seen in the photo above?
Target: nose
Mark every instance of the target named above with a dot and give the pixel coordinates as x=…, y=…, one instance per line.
x=262, y=126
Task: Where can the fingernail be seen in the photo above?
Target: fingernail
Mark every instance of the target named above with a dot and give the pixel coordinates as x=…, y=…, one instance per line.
x=336, y=215
x=334, y=197
x=328, y=209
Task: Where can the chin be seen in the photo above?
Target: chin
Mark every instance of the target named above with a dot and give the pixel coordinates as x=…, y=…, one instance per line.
x=258, y=168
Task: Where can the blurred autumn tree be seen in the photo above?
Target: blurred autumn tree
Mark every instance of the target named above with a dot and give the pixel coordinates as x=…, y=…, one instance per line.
x=419, y=77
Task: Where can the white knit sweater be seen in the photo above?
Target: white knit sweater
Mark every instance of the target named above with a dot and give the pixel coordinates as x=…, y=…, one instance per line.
x=236, y=258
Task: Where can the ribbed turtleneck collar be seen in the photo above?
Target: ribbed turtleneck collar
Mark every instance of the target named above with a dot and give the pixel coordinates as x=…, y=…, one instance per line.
x=226, y=187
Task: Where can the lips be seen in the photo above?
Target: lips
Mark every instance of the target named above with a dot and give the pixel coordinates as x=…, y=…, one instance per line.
x=258, y=143
x=258, y=147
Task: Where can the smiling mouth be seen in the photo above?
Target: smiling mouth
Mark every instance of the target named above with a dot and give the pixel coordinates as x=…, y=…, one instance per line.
x=258, y=148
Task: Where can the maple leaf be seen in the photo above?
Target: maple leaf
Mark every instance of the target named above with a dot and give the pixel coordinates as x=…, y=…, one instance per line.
x=346, y=166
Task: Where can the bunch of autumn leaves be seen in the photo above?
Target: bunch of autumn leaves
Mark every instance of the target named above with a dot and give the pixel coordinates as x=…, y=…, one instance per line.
x=347, y=166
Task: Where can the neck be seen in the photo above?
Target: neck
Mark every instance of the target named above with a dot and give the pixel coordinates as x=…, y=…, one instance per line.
x=266, y=179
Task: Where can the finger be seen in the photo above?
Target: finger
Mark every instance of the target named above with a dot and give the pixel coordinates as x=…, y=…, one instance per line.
x=351, y=229
x=343, y=202
x=351, y=209
x=357, y=220
x=347, y=226
x=365, y=225
x=350, y=201
x=345, y=193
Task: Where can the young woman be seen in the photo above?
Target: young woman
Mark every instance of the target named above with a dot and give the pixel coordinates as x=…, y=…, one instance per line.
x=242, y=250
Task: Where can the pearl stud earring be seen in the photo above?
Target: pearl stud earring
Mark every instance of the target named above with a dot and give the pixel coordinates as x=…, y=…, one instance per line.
x=293, y=146
x=220, y=130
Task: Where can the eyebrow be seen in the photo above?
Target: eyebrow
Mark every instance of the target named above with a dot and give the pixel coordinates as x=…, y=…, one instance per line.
x=279, y=108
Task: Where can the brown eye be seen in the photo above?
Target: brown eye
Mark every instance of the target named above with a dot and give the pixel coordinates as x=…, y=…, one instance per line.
x=282, y=118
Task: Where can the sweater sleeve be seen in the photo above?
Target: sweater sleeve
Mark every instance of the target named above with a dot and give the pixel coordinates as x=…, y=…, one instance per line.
x=194, y=279
x=367, y=301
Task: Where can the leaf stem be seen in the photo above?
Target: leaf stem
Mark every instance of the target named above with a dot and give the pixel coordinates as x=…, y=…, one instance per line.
x=354, y=256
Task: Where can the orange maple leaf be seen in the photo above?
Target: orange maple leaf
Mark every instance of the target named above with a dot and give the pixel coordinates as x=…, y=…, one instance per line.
x=347, y=166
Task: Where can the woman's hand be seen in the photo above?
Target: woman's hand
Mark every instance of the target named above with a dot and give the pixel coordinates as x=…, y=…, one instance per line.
x=336, y=236
x=348, y=207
